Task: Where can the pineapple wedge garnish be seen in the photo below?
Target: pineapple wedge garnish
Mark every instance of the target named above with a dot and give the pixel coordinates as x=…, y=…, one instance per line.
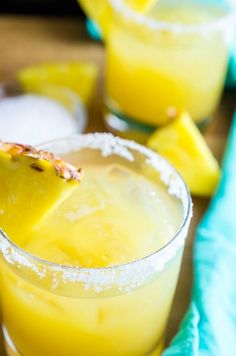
x=32, y=183
x=101, y=13
x=140, y=5
x=183, y=145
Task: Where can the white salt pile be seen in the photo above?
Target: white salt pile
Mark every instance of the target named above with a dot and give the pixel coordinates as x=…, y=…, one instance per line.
x=32, y=119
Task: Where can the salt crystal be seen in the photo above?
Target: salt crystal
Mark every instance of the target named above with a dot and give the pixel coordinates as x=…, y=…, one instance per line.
x=32, y=119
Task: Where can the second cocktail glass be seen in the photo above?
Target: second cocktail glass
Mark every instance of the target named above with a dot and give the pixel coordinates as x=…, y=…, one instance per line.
x=171, y=59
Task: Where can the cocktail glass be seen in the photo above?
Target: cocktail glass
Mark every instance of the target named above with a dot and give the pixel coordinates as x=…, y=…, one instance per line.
x=172, y=58
x=53, y=309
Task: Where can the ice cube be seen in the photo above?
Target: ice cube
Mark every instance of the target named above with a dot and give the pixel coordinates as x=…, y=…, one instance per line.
x=132, y=187
x=83, y=211
x=117, y=182
x=118, y=171
x=89, y=199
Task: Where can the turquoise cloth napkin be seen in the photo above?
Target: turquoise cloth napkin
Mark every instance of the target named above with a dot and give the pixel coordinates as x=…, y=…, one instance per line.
x=93, y=30
x=231, y=75
x=209, y=327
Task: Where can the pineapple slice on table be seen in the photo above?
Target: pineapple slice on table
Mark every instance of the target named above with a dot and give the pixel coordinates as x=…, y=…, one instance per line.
x=32, y=183
x=183, y=145
x=58, y=78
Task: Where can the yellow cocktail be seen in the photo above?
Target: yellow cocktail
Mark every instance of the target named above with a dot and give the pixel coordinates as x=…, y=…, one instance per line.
x=172, y=58
x=102, y=268
x=155, y=66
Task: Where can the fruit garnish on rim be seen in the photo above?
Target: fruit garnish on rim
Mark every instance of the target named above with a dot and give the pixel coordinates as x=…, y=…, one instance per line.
x=140, y=5
x=100, y=10
x=32, y=183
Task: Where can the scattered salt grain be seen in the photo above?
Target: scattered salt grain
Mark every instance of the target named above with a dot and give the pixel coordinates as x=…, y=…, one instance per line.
x=32, y=119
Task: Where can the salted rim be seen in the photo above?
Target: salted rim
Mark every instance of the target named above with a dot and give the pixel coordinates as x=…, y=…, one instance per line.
x=128, y=275
x=140, y=19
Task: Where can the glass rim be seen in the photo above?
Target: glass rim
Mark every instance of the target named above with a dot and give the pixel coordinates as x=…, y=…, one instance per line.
x=149, y=154
x=175, y=27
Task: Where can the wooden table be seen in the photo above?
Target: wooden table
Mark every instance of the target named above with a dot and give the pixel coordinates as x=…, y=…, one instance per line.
x=29, y=40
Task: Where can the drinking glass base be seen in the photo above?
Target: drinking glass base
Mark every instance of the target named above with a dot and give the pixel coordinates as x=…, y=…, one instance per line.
x=125, y=127
x=9, y=345
x=128, y=128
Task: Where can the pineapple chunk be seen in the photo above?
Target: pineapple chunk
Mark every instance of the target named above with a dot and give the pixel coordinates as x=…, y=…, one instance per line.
x=32, y=183
x=44, y=78
x=183, y=145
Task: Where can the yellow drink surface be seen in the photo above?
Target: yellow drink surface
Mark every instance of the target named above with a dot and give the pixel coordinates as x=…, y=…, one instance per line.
x=150, y=71
x=115, y=216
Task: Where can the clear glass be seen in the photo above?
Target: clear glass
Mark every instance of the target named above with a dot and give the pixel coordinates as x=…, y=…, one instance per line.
x=52, y=309
x=172, y=60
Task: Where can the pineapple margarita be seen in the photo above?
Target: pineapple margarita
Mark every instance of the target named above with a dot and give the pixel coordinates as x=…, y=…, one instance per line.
x=162, y=56
x=89, y=266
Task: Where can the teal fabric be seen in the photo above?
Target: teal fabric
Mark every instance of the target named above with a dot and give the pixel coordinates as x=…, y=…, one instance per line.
x=231, y=75
x=93, y=30
x=209, y=327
